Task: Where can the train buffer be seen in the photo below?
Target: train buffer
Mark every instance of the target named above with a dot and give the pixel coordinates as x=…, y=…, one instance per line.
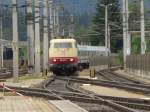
x=66, y=106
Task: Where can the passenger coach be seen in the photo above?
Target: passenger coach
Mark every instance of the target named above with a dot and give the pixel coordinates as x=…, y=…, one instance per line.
x=63, y=56
x=85, y=52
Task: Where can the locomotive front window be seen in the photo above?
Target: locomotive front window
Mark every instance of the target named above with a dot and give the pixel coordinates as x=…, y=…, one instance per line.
x=63, y=45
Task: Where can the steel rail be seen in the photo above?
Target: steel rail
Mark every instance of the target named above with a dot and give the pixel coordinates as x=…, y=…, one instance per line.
x=143, y=89
x=134, y=105
x=102, y=101
x=74, y=96
x=113, y=77
x=7, y=73
x=136, y=85
x=80, y=97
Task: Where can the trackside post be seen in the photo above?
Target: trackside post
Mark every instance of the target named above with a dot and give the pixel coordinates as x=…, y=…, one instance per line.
x=92, y=73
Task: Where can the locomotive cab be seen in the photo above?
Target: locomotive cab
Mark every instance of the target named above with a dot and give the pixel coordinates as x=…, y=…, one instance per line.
x=63, y=57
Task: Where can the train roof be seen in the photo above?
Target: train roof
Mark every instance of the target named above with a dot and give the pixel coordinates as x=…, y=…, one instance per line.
x=63, y=40
x=92, y=48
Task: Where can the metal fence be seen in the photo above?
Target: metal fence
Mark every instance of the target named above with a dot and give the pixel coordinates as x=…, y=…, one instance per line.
x=139, y=64
x=99, y=60
x=9, y=63
x=105, y=60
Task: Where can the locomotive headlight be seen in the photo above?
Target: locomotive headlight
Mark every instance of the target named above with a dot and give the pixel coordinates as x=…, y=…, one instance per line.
x=71, y=59
x=54, y=60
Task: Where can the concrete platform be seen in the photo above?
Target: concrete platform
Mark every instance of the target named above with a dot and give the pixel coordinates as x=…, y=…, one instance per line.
x=66, y=106
x=24, y=104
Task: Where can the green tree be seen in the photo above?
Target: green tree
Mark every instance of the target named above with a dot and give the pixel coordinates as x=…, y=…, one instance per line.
x=82, y=24
x=114, y=21
x=134, y=16
x=134, y=25
x=135, y=45
x=148, y=45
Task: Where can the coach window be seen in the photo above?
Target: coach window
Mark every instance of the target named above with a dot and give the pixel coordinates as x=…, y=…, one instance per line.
x=79, y=53
x=63, y=45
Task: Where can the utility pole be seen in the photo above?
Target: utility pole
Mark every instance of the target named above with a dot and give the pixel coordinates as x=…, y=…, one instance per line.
x=71, y=28
x=106, y=25
x=30, y=34
x=128, y=37
x=54, y=21
x=143, y=43
x=45, y=36
x=51, y=16
x=1, y=45
x=63, y=25
x=129, y=44
x=37, y=37
x=109, y=39
x=124, y=33
x=2, y=58
x=15, y=40
x=57, y=21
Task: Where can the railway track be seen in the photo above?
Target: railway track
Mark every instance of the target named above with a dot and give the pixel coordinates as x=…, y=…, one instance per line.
x=51, y=95
x=132, y=103
x=8, y=72
x=139, y=88
x=62, y=88
x=112, y=79
x=111, y=76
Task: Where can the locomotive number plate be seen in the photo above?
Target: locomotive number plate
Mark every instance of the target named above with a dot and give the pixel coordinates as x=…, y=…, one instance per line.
x=63, y=59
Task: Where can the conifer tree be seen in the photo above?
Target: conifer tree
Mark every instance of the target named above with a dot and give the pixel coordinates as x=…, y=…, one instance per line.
x=114, y=21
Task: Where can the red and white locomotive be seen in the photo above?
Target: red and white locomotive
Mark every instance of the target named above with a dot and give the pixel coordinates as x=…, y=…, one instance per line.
x=63, y=56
